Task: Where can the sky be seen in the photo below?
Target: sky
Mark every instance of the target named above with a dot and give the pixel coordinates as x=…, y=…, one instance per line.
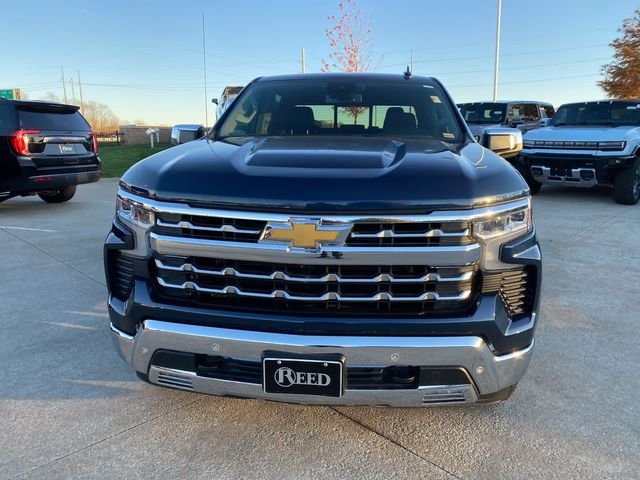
x=145, y=58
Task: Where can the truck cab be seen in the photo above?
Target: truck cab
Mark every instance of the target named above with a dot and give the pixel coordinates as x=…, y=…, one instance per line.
x=525, y=115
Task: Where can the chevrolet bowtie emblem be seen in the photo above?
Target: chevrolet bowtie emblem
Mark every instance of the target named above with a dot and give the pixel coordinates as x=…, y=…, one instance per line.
x=305, y=233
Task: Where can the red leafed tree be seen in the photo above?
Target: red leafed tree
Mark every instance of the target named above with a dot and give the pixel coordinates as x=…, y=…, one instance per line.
x=350, y=38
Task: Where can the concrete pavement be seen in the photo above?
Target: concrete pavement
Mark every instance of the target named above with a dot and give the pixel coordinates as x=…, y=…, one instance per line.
x=69, y=407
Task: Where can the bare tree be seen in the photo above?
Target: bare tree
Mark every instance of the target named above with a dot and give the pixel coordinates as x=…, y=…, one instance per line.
x=100, y=116
x=622, y=75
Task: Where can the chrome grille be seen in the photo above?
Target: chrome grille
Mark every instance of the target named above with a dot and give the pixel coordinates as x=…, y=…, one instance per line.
x=350, y=289
x=410, y=234
x=363, y=234
x=210, y=228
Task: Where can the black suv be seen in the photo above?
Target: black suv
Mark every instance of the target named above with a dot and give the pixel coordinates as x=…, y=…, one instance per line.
x=46, y=149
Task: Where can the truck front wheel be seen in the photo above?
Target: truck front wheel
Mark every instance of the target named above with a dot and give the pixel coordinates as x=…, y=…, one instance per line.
x=58, y=196
x=626, y=184
x=534, y=185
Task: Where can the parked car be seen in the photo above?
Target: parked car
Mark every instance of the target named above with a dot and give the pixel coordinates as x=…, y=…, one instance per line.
x=335, y=239
x=587, y=144
x=45, y=149
x=228, y=94
x=522, y=114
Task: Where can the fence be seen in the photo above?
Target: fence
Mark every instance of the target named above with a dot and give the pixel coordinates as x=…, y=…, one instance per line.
x=111, y=137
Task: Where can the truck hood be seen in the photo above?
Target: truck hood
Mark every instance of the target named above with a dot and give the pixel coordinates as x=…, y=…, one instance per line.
x=328, y=174
x=583, y=134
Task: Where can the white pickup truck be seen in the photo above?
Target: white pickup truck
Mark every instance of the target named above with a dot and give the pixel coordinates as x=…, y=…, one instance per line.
x=587, y=144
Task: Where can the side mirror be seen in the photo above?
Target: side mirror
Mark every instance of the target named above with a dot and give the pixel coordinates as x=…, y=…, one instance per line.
x=214, y=100
x=545, y=122
x=186, y=133
x=506, y=142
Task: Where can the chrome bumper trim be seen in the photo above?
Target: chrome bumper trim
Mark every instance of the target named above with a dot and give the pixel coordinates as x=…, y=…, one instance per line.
x=327, y=255
x=490, y=373
x=423, y=396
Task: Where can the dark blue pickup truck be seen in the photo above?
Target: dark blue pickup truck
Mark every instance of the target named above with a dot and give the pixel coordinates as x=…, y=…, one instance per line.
x=334, y=239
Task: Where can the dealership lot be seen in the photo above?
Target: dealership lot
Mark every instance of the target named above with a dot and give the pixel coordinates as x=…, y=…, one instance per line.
x=70, y=406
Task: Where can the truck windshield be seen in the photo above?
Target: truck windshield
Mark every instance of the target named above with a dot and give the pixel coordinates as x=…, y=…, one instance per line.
x=598, y=113
x=338, y=107
x=483, y=112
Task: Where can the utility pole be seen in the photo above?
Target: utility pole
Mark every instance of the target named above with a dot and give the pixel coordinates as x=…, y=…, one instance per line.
x=497, y=64
x=80, y=88
x=73, y=91
x=204, y=66
x=64, y=85
x=302, y=70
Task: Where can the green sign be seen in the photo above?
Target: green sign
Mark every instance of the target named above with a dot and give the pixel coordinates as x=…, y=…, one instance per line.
x=10, y=93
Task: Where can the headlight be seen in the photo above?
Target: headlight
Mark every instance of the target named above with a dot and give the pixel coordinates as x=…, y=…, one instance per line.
x=493, y=232
x=611, y=146
x=133, y=212
x=504, y=225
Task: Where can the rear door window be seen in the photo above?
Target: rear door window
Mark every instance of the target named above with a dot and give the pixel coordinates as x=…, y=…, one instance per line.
x=530, y=112
x=38, y=120
x=549, y=111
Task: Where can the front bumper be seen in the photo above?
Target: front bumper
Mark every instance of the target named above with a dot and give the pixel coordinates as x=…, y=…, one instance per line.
x=488, y=373
x=572, y=169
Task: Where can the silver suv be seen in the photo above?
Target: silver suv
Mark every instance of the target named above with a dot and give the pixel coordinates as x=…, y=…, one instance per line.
x=587, y=144
x=523, y=114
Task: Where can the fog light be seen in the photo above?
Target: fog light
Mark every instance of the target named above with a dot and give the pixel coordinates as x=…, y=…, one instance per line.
x=586, y=174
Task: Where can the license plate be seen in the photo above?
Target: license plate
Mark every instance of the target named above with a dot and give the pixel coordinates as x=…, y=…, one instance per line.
x=560, y=172
x=67, y=148
x=303, y=376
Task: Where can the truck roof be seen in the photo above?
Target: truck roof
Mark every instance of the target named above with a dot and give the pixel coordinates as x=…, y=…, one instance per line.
x=355, y=76
x=526, y=102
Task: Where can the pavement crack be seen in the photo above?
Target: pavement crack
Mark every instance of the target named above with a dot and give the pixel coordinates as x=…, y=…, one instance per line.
x=98, y=442
x=589, y=230
x=44, y=252
x=397, y=444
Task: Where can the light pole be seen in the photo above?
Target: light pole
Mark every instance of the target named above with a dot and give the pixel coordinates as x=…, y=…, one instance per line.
x=204, y=68
x=497, y=64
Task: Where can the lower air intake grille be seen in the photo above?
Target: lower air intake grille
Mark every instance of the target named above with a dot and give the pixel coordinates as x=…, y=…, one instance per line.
x=516, y=288
x=120, y=275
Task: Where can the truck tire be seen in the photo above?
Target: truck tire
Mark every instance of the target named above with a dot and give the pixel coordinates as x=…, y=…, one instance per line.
x=58, y=196
x=626, y=184
x=534, y=185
